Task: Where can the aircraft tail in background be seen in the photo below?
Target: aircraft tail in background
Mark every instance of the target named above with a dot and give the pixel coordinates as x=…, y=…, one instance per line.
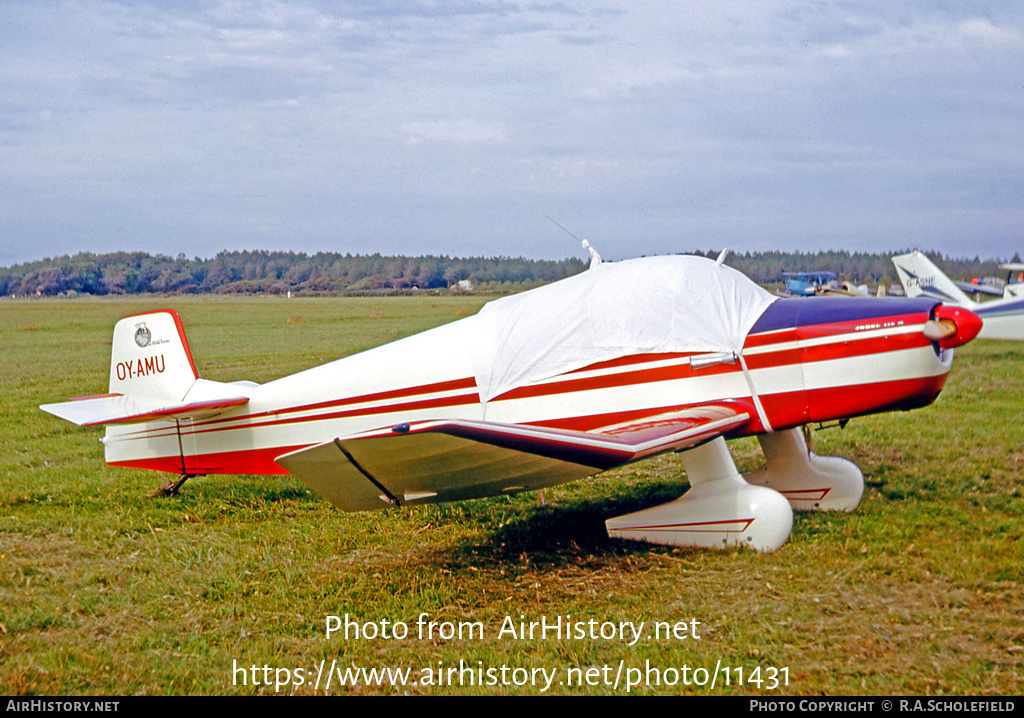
x=922, y=278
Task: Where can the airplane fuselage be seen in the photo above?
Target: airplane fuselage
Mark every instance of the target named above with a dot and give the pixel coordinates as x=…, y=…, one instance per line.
x=817, y=361
x=1002, y=318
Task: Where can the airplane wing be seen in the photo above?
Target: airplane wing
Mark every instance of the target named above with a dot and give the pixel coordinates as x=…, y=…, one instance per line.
x=434, y=461
x=979, y=288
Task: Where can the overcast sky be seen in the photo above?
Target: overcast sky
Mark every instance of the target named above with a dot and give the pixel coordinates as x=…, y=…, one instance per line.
x=458, y=127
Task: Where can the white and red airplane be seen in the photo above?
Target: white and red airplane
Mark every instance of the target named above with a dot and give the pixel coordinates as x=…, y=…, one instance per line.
x=622, y=362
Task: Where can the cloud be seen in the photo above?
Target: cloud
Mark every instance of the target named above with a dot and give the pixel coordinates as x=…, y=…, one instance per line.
x=984, y=32
x=457, y=132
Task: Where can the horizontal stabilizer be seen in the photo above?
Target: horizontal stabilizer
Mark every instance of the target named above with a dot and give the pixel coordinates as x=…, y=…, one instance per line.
x=121, y=409
x=437, y=461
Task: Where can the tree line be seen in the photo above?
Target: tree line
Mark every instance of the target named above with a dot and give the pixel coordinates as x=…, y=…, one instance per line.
x=858, y=267
x=275, y=273
x=333, y=273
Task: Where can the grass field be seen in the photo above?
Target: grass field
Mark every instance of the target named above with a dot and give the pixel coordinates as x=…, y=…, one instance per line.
x=228, y=588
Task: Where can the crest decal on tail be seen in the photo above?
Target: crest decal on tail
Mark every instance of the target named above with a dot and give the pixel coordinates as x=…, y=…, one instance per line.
x=142, y=335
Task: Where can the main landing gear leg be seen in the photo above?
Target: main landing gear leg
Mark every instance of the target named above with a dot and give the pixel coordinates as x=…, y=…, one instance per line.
x=810, y=482
x=171, y=489
x=719, y=510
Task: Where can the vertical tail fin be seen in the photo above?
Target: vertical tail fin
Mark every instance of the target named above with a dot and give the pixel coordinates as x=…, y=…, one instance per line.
x=150, y=357
x=920, y=277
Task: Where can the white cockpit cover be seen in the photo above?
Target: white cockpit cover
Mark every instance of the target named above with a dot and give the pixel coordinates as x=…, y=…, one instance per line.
x=638, y=306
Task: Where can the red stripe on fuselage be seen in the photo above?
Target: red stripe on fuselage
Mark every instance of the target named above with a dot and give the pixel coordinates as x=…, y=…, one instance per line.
x=827, y=404
x=412, y=391
x=409, y=406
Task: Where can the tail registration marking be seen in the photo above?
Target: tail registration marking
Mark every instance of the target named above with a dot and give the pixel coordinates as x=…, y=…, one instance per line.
x=140, y=367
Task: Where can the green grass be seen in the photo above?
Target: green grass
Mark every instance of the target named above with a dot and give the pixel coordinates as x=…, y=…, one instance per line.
x=103, y=591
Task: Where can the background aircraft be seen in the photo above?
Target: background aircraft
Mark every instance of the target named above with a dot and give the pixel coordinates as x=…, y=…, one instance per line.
x=1002, y=318
x=807, y=284
x=624, y=361
x=849, y=289
x=1014, y=286
x=978, y=289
